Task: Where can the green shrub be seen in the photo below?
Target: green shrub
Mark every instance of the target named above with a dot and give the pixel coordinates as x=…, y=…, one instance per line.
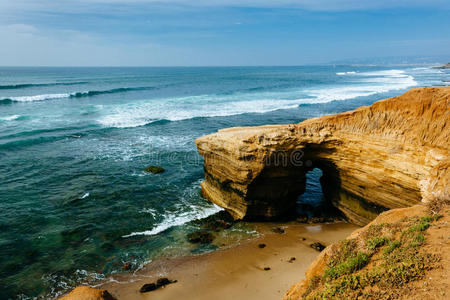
x=376, y=242
x=392, y=246
x=351, y=265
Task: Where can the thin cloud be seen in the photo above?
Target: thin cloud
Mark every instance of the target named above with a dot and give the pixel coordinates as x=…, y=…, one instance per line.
x=313, y=5
x=217, y=32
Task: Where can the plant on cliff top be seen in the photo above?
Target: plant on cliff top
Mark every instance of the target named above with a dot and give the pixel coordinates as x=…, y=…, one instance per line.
x=351, y=265
x=377, y=242
x=392, y=262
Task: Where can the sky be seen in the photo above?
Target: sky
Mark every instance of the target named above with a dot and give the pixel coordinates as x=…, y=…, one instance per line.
x=218, y=32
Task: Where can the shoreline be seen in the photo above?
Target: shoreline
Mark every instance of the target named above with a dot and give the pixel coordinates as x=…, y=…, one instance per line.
x=357, y=158
x=236, y=272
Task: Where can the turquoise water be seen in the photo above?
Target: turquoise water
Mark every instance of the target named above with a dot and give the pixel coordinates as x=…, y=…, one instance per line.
x=75, y=202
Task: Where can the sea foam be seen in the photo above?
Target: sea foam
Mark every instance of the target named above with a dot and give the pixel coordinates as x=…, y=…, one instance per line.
x=184, y=211
x=369, y=83
x=142, y=113
x=10, y=118
x=345, y=73
x=36, y=97
x=175, y=109
x=178, y=219
x=73, y=94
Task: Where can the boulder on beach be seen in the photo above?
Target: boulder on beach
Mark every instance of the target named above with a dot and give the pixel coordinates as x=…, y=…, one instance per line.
x=161, y=282
x=88, y=293
x=278, y=230
x=148, y=287
x=317, y=246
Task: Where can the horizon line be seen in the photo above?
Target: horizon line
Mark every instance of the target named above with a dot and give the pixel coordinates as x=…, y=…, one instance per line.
x=221, y=66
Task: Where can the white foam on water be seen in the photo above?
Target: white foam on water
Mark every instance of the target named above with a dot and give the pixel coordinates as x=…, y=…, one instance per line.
x=59, y=96
x=389, y=73
x=370, y=83
x=85, y=196
x=182, y=108
x=184, y=211
x=178, y=219
x=37, y=97
x=139, y=114
x=345, y=73
x=10, y=118
x=150, y=211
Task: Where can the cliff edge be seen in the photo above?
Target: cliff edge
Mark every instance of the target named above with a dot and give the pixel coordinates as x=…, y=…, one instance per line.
x=403, y=254
x=392, y=154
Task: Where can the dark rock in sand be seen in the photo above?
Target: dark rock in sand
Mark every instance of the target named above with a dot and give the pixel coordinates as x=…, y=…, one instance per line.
x=262, y=246
x=291, y=260
x=266, y=268
x=302, y=219
x=202, y=237
x=317, y=220
x=278, y=230
x=161, y=282
x=317, y=246
x=148, y=287
x=154, y=169
x=303, y=238
x=313, y=220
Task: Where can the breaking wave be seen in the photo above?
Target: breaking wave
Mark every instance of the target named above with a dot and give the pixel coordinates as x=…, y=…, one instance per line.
x=8, y=100
x=30, y=85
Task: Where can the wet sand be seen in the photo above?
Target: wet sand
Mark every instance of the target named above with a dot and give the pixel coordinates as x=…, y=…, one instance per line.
x=237, y=272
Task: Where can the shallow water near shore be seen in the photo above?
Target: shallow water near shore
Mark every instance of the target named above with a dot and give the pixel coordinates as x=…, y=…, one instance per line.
x=245, y=271
x=76, y=202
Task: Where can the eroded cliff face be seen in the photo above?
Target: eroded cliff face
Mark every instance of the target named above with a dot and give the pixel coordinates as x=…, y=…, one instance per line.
x=394, y=153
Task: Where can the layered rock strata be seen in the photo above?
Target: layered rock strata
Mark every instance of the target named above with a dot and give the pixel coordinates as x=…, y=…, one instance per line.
x=394, y=153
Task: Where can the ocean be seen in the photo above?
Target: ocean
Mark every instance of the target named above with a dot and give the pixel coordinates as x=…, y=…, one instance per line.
x=76, y=204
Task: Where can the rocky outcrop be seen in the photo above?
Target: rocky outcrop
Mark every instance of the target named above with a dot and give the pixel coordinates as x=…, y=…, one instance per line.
x=394, y=153
x=88, y=293
x=446, y=66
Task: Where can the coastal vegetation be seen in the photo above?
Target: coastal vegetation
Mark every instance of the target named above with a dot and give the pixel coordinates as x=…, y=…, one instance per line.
x=377, y=264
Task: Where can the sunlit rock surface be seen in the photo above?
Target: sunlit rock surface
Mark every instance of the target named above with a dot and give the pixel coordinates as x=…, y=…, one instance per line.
x=394, y=153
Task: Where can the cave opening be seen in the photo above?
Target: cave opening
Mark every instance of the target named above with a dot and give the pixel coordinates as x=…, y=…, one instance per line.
x=313, y=203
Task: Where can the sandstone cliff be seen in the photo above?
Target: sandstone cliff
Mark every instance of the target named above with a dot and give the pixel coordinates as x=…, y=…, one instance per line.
x=394, y=153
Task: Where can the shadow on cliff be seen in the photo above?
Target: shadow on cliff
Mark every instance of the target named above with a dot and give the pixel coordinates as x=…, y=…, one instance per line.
x=275, y=193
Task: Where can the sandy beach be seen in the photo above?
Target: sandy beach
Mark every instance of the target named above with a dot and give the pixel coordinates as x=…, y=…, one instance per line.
x=237, y=272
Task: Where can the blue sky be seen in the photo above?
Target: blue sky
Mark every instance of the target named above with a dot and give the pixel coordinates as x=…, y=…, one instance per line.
x=218, y=32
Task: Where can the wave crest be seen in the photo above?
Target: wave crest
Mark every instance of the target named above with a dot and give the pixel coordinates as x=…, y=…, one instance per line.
x=10, y=118
x=8, y=100
x=30, y=85
x=43, y=97
x=345, y=73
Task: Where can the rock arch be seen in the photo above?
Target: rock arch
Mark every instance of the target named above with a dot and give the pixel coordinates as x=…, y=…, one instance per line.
x=392, y=154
